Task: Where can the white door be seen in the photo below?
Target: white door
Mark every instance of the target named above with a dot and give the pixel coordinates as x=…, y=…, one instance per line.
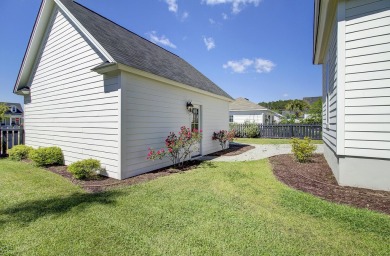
x=196, y=124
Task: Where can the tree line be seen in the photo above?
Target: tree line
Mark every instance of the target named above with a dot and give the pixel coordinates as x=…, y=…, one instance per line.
x=297, y=109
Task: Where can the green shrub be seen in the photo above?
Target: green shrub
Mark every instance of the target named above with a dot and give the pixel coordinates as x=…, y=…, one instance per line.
x=303, y=149
x=84, y=169
x=47, y=156
x=251, y=130
x=19, y=152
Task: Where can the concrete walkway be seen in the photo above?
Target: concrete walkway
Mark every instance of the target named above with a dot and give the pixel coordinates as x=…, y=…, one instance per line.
x=259, y=152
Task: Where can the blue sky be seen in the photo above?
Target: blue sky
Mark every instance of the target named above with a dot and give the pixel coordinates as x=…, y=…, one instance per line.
x=261, y=50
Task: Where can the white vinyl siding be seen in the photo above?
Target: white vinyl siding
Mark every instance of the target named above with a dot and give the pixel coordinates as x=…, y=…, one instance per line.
x=330, y=90
x=241, y=117
x=70, y=106
x=152, y=109
x=367, y=79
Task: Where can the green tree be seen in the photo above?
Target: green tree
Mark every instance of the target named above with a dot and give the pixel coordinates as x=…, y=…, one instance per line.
x=277, y=106
x=289, y=119
x=315, y=113
x=298, y=107
x=3, y=109
x=316, y=108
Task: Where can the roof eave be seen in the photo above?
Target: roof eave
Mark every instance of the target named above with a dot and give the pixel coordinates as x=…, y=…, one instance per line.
x=108, y=68
x=34, y=43
x=324, y=11
x=37, y=35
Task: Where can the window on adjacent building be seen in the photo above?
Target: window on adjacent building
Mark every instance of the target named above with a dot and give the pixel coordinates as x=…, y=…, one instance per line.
x=231, y=119
x=13, y=109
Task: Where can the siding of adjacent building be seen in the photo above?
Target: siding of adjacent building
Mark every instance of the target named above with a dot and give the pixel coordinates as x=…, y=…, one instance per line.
x=152, y=109
x=70, y=106
x=330, y=90
x=241, y=117
x=367, y=78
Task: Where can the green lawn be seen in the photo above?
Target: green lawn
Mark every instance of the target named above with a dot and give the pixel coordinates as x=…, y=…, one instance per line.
x=217, y=209
x=268, y=141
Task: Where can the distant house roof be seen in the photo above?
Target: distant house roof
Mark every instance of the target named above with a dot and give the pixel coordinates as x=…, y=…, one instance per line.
x=243, y=104
x=130, y=49
x=19, y=109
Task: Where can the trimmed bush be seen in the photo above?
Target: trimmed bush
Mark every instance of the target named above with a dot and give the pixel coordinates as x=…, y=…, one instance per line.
x=47, y=156
x=84, y=169
x=19, y=152
x=251, y=130
x=303, y=149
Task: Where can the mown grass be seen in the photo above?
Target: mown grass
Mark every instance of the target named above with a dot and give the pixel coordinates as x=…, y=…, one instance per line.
x=268, y=141
x=217, y=209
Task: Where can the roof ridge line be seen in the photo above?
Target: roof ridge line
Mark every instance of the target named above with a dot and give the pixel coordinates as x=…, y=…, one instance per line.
x=126, y=29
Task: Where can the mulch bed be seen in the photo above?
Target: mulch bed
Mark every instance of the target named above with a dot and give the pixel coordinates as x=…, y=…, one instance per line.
x=317, y=178
x=101, y=183
x=233, y=150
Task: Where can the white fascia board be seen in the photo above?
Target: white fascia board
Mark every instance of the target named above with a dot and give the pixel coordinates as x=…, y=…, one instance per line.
x=34, y=43
x=117, y=66
x=85, y=32
x=326, y=12
x=37, y=35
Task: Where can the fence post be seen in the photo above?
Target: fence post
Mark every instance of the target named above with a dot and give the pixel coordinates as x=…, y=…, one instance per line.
x=20, y=135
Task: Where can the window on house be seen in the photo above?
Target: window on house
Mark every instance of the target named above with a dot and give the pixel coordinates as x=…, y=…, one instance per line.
x=231, y=119
x=13, y=109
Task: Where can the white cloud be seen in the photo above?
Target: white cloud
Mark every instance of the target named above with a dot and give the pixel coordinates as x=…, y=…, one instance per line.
x=285, y=95
x=258, y=65
x=211, y=21
x=237, y=5
x=160, y=40
x=225, y=16
x=209, y=42
x=238, y=66
x=264, y=66
x=172, y=5
x=184, y=16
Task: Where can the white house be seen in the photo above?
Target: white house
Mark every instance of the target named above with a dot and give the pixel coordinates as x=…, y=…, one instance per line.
x=14, y=116
x=352, y=42
x=242, y=110
x=97, y=90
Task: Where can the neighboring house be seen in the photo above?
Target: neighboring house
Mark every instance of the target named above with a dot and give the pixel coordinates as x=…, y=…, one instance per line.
x=13, y=116
x=277, y=117
x=99, y=91
x=242, y=110
x=352, y=42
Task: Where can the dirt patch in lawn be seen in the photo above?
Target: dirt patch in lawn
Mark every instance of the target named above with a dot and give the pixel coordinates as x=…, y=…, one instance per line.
x=233, y=150
x=317, y=178
x=101, y=183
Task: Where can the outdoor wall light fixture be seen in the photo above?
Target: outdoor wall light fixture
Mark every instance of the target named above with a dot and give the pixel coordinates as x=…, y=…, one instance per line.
x=189, y=106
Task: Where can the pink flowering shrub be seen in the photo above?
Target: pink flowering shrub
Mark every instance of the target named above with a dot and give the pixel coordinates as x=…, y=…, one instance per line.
x=223, y=136
x=178, y=147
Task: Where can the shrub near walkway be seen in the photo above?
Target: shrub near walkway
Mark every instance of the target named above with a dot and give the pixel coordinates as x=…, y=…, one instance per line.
x=216, y=209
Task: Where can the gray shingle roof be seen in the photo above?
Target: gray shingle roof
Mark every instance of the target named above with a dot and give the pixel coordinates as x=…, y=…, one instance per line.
x=132, y=50
x=242, y=104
